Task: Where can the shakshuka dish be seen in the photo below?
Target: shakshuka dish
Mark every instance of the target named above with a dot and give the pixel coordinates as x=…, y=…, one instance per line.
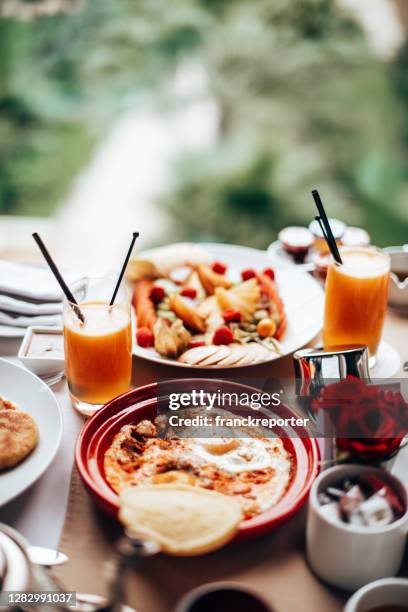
x=256, y=471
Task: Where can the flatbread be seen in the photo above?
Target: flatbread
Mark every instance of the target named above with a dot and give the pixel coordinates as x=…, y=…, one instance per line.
x=18, y=436
x=182, y=519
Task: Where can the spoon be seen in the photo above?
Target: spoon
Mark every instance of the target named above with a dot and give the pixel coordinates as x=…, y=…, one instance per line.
x=128, y=550
x=46, y=556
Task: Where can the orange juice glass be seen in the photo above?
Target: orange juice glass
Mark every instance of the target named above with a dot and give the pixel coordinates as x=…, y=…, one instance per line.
x=356, y=299
x=98, y=352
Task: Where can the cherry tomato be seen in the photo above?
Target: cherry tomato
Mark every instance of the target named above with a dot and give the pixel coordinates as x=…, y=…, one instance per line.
x=269, y=272
x=231, y=315
x=189, y=292
x=145, y=337
x=219, y=267
x=247, y=274
x=223, y=335
x=157, y=294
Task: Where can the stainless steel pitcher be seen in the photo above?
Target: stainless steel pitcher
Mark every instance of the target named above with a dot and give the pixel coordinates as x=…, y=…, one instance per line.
x=314, y=368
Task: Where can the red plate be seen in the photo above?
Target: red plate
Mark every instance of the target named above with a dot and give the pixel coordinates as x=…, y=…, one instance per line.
x=138, y=404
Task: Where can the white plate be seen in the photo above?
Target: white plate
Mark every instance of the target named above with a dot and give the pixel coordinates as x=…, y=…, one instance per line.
x=302, y=295
x=33, y=396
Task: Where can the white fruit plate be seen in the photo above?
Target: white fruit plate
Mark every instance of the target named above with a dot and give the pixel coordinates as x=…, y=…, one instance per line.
x=302, y=296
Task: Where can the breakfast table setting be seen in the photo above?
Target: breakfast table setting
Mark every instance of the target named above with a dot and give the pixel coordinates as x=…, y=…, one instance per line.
x=311, y=555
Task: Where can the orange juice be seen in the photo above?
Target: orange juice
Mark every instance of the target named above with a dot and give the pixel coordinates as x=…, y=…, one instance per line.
x=98, y=353
x=356, y=298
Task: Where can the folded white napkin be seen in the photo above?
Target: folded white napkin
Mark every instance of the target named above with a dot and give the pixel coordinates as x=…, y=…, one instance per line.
x=35, y=283
x=13, y=305
x=21, y=321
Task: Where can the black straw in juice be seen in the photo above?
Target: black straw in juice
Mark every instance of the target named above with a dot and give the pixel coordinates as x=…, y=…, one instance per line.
x=125, y=263
x=327, y=232
x=70, y=297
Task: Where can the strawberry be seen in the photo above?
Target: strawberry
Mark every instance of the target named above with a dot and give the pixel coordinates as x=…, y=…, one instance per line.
x=269, y=272
x=144, y=337
x=189, y=292
x=231, y=315
x=247, y=274
x=219, y=267
x=195, y=343
x=223, y=335
x=157, y=294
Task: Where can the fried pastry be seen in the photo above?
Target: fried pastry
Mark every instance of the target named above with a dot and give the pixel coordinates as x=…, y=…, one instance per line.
x=18, y=437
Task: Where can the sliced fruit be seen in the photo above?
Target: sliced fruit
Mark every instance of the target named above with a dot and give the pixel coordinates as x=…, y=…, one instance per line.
x=188, y=314
x=227, y=355
x=255, y=354
x=195, y=355
x=243, y=297
x=168, y=258
x=221, y=353
x=194, y=282
x=139, y=269
x=236, y=352
x=269, y=290
x=144, y=306
x=171, y=340
x=210, y=280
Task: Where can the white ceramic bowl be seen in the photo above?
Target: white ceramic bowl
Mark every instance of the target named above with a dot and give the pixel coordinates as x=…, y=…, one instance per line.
x=41, y=364
x=385, y=592
x=349, y=556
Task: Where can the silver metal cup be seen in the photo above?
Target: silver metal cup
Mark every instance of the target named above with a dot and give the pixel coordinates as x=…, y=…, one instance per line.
x=314, y=368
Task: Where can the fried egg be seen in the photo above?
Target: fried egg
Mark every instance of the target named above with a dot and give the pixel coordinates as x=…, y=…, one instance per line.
x=233, y=454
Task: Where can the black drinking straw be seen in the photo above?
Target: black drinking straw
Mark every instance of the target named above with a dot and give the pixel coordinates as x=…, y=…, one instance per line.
x=125, y=263
x=327, y=233
x=71, y=299
x=318, y=219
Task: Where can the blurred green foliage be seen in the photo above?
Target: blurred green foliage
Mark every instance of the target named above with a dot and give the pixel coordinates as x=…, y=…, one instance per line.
x=302, y=103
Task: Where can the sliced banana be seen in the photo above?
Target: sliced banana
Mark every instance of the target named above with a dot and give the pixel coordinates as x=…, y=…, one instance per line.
x=194, y=355
x=236, y=352
x=251, y=355
x=221, y=353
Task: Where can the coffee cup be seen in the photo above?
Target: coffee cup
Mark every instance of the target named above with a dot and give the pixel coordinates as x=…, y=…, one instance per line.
x=220, y=597
x=385, y=594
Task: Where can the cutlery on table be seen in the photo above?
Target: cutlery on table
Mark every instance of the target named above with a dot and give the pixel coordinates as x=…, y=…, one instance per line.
x=128, y=550
x=46, y=556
